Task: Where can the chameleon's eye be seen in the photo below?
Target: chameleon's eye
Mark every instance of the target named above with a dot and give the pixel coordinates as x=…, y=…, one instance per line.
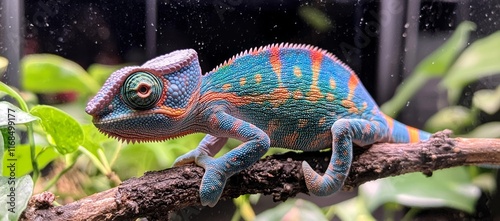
x=141, y=90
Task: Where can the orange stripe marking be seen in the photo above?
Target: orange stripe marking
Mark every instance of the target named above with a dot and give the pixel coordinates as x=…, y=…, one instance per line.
x=276, y=62
x=413, y=134
x=315, y=94
x=352, y=84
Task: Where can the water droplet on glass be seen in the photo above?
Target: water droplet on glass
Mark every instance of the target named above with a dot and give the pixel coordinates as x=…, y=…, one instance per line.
x=407, y=25
x=404, y=35
x=408, y=103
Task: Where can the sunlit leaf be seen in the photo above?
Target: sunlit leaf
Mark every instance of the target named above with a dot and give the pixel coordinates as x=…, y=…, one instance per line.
x=14, y=195
x=434, y=65
x=11, y=114
x=455, y=118
x=3, y=64
x=47, y=73
x=63, y=131
x=23, y=159
x=293, y=210
x=487, y=100
x=446, y=188
x=479, y=60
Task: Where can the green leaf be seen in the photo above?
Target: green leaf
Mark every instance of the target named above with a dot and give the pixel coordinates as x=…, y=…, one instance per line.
x=487, y=130
x=63, y=131
x=3, y=64
x=11, y=92
x=101, y=72
x=446, y=188
x=479, y=60
x=487, y=100
x=94, y=139
x=434, y=65
x=47, y=73
x=438, y=62
x=455, y=118
x=293, y=210
x=23, y=159
x=352, y=209
x=14, y=195
x=13, y=115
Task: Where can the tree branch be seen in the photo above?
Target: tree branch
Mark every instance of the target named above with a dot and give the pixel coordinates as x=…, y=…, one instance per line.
x=156, y=193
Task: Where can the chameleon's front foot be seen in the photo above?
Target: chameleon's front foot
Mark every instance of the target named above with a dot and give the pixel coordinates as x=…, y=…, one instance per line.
x=325, y=185
x=213, y=180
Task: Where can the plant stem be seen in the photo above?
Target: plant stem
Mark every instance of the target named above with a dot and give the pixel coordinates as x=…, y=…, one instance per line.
x=94, y=160
x=54, y=180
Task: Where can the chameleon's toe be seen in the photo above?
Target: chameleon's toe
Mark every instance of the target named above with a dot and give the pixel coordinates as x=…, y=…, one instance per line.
x=189, y=157
x=322, y=185
x=212, y=184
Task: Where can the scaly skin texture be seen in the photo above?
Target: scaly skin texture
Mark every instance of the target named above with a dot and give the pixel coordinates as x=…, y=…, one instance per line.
x=292, y=96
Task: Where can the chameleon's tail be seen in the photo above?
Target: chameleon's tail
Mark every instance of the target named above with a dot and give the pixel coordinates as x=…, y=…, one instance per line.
x=401, y=133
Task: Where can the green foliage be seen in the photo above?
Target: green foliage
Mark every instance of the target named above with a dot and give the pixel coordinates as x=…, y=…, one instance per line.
x=445, y=188
x=44, y=155
x=63, y=132
x=479, y=60
x=434, y=65
x=487, y=100
x=455, y=118
x=351, y=209
x=47, y=73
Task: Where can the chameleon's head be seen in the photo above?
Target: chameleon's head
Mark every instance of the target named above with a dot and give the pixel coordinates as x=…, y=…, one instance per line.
x=148, y=102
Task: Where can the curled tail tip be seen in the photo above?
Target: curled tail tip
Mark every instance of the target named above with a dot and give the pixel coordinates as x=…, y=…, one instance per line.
x=321, y=185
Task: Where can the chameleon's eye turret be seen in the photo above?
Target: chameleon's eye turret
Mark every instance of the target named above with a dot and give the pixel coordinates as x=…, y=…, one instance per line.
x=141, y=90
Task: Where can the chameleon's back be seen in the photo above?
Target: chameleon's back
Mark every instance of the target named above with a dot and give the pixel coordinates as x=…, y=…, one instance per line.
x=294, y=93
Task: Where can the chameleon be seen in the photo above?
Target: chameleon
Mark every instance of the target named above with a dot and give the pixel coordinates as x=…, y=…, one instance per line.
x=286, y=95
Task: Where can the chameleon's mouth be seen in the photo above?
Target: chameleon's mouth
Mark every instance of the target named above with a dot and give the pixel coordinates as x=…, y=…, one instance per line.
x=131, y=136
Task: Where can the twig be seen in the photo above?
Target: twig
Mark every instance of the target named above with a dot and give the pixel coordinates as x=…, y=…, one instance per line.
x=156, y=193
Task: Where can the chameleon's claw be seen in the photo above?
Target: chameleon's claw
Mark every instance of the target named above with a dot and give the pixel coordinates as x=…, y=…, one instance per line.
x=213, y=180
x=321, y=185
x=189, y=157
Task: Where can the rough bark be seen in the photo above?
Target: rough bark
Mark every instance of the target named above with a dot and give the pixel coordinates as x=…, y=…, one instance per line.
x=156, y=193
